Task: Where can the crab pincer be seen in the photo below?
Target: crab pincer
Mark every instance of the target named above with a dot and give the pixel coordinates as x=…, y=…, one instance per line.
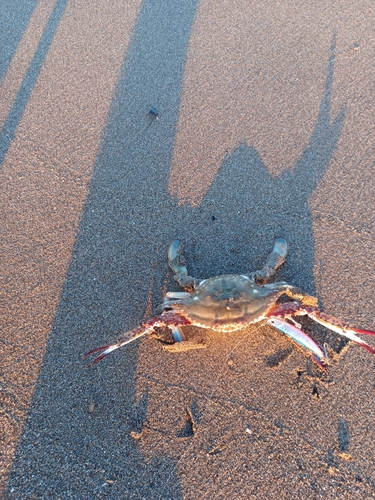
x=125, y=338
x=300, y=337
x=166, y=319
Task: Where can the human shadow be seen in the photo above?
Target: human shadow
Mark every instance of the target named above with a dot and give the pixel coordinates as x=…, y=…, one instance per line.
x=265, y=206
x=246, y=209
x=128, y=222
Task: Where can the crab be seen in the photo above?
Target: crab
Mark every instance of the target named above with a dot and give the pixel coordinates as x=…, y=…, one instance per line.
x=231, y=302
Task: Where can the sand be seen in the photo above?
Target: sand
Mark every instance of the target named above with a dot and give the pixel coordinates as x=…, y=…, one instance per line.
x=265, y=125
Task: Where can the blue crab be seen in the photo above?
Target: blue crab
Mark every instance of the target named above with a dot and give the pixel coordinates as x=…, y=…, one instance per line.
x=232, y=301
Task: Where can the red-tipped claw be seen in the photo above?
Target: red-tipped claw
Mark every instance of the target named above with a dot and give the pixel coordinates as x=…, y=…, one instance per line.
x=296, y=334
x=363, y=332
x=106, y=348
x=322, y=365
x=339, y=327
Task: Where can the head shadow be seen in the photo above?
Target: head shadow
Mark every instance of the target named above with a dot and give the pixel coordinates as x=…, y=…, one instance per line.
x=249, y=208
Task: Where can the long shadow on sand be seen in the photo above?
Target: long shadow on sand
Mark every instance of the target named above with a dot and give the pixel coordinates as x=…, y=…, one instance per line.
x=81, y=420
x=13, y=23
x=23, y=95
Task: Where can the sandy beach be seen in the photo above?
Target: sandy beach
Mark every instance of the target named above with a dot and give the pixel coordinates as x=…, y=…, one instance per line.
x=265, y=126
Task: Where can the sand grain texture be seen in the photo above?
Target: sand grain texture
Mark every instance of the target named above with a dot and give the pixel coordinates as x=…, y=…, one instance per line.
x=265, y=128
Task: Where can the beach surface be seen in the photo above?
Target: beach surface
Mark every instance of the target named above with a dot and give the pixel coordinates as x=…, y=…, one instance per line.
x=226, y=124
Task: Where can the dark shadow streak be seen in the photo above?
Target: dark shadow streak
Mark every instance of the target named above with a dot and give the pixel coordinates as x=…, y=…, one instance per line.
x=14, y=19
x=28, y=83
x=107, y=286
x=343, y=435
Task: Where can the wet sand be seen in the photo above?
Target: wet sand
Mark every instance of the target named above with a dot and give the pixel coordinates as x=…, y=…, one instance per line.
x=265, y=128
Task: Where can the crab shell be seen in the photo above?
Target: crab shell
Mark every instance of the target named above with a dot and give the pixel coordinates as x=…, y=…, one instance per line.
x=227, y=303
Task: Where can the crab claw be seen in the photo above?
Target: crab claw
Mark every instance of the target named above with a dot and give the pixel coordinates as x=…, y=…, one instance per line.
x=339, y=327
x=351, y=334
x=302, y=339
x=168, y=318
x=106, y=348
x=125, y=338
x=176, y=261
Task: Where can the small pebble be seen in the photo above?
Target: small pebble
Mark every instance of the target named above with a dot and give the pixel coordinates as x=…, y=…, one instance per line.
x=136, y=435
x=153, y=114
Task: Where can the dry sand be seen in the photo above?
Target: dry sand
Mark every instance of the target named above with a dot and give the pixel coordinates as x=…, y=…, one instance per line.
x=266, y=126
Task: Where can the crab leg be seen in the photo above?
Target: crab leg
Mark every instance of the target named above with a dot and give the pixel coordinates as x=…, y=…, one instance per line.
x=274, y=260
x=301, y=338
x=168, y=318
x=339, y=327
x=176, y=262
x=177, y=334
